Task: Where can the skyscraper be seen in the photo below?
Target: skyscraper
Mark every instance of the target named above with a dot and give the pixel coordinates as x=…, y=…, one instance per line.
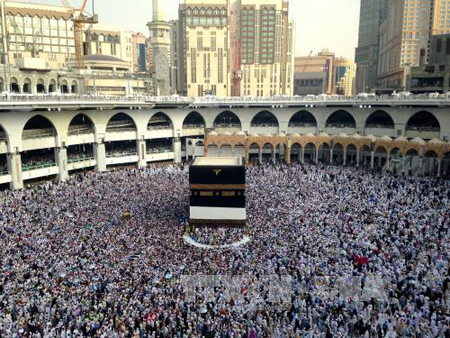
x=236, y=47
x=367, y=51
x=405, y=36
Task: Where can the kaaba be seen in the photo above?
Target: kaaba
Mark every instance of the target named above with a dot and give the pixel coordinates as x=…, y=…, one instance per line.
x=217, y=187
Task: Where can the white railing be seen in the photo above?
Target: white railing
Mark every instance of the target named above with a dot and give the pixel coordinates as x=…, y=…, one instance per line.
x=121, y=154
x=362, y=98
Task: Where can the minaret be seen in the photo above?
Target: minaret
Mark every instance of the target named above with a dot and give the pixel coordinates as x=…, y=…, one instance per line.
x=160, y=44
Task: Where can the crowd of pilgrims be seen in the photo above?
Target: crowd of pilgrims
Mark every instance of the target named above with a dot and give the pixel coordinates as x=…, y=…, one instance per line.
x=217, y=236
x=367, y=254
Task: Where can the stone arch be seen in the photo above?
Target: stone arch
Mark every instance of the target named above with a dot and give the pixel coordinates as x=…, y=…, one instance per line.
x=194, y=120
x=296, y=152
x=430, y=160
x=445, y=165
x=351, y=154
x=239, y=149
x=4, y=137
x=26, y=88
x=38, y=126
x=423, y=121
x=227, y=119
x=380, y=119
x=74, y=87
x=253, y=151
x=52, y=86
x=381, y=155
x=264, y=119
x=338, y=153
x=226, y=150
x=81, y=124
x=40, y=86
x=365, y=154
x=121, y=122
x=64, y=87
x=159, y=120
x=15, y=86
x=310, y=152
x=213, y=150
x=303, y=118
x=268, y=150
x=341, y=119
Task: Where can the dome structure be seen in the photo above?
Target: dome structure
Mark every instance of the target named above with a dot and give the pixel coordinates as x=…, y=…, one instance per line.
x=418, y=140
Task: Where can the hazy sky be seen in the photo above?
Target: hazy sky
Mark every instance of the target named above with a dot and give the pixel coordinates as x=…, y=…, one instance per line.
x=320, y=24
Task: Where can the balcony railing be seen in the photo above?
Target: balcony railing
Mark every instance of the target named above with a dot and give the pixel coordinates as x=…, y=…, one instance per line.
x=380, y=126
x=38, y=166
x=38, y=133
x=159, y=151
x=80, y=159
x=83, y=130
x=423, y=128
x=121, y=154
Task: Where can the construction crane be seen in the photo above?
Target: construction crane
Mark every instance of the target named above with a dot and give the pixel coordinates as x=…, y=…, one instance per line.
x=79, y=18
x=236, y=47
x=308, y=60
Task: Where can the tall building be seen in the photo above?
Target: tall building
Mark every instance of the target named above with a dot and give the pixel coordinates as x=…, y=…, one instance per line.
x=267, y=48
x=236, y=47
x=36, y=31
x=160, y=44
x=433, y=77
x=139, y=53
x=405, y=37
x=314, y=74
x=109, y=40
x=366, y=56
x=344, y=74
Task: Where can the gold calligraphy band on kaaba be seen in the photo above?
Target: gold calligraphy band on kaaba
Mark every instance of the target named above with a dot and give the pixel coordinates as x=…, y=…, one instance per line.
x=217, y=186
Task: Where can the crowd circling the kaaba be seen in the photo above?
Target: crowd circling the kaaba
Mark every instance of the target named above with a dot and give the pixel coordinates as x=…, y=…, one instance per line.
x=367, y=255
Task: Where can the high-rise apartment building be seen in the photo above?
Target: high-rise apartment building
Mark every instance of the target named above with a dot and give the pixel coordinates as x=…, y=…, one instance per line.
x=109, y=40
x=344, y=74
x=236, y=47
x=314, y=74
x=139, y=53
x=405, y=36
x=36, y=31
x=323, y=73
x=366, y=56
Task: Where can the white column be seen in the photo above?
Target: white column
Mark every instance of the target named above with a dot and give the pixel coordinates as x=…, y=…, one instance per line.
x=439, y=161
x=372, y=159
x=358, y=151
x=404, y=164
x=61, y=161
x=100, y=156
x=302, y=155
x=331, y=155
x=317, y=155
x=421, y=165
x=15, y=170
x=177, y=149
x=142, y=153
x=274, y=155
x=345, y=156
x=260, y=155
